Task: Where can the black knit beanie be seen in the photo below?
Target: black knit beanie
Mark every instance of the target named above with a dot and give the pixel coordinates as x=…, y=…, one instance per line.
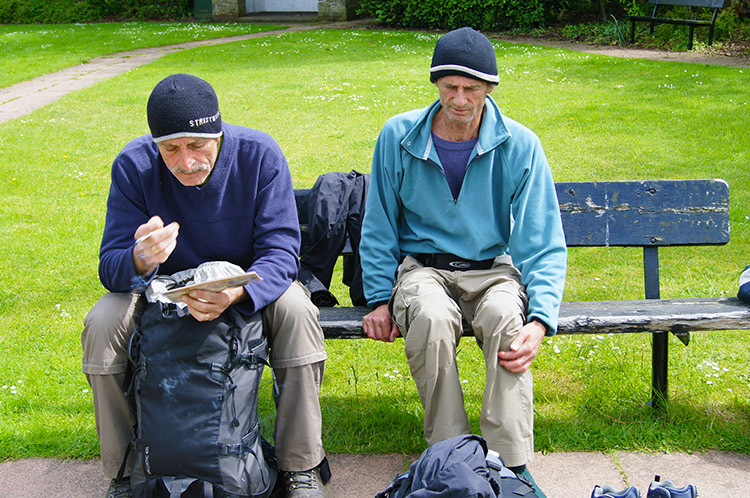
x=182, y=105
x=464, y=52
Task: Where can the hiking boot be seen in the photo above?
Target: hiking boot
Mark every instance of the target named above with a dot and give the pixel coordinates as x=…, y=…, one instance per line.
x=667, y=489
x=608, y=491
x=120, y=488
x=304, y=484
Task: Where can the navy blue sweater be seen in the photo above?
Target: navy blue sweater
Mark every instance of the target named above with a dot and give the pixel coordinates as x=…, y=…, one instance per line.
x=245, y=214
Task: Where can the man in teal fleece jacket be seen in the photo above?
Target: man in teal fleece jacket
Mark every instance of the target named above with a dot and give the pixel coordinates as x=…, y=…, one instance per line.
x=462, y=223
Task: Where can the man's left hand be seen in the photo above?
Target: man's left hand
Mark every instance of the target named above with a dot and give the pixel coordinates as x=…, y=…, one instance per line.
x=206, y=306
x=524, y=348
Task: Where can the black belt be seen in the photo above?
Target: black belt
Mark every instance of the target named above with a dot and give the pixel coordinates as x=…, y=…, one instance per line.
x=443, y=261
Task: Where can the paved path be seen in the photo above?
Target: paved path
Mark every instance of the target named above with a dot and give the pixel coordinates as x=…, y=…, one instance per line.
x=714, y=59
x=560, y=475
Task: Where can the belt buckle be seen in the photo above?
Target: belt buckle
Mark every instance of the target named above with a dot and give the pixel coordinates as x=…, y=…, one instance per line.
x=460, y=265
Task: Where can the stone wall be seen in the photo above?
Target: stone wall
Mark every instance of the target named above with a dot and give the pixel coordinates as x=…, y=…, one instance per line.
x=228, y=10
x=337, y=10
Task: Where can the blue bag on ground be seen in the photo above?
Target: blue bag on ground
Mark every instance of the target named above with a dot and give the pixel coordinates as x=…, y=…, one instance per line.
x=195, y=395
x=458, y=467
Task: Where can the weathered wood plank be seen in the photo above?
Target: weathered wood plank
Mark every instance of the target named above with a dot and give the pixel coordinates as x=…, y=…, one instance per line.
x=715, y=4
x=598, y=317
x=654, y=315
x=629, y=213
x=644, y=213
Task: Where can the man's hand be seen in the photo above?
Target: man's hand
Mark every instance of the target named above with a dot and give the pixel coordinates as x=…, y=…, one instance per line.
x=155, y=243
x=378, y=324
x=206, y=306
x=524, y=348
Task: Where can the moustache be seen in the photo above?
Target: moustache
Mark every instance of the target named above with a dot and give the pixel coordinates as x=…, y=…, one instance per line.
x=195, y=168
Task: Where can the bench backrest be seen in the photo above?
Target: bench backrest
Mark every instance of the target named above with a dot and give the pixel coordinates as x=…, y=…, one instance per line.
x=714, y=4
x=648, y=214
x=631, y=213
x=645, y=213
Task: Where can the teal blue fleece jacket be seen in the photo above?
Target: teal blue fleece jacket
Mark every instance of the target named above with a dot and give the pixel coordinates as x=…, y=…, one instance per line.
x=507, y=205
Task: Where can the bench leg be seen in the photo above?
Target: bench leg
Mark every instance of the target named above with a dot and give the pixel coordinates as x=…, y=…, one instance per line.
x=690, y=40
x=659, y=344
x=659, y=367
x=632, y=31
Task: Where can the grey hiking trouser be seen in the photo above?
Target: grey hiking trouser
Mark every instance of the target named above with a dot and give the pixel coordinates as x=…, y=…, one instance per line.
x=297, y=357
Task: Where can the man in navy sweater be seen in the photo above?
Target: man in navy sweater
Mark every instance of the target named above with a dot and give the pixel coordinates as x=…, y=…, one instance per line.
x=197, y=190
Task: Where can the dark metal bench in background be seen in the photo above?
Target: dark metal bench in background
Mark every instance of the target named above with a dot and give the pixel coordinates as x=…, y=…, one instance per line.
x=654, y=19
x=648, y=214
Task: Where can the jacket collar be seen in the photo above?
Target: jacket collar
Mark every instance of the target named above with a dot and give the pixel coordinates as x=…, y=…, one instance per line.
x=492, y=132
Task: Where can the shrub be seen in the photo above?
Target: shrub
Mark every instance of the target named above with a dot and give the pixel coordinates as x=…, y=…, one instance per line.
x=489, y=15
x=727, y=23
x=70, y=11
x=494, y=15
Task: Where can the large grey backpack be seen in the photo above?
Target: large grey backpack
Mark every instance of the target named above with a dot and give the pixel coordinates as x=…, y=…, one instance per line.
x=194, y=394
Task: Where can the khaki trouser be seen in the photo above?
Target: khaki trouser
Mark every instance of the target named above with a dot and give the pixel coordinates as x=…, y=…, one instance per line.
x=428, y=306
x=297, y=358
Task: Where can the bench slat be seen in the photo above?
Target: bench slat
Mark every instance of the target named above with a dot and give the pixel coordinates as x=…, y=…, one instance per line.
x=647, y=213
x=672, y=20
x=714, y=4
x=597, y=317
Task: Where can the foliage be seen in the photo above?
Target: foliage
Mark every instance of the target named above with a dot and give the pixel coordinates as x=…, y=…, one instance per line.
x=612, y=32
x=674, y=37
x=67, y=11
x=600, y=21
x=489, y=15
x=729, y=28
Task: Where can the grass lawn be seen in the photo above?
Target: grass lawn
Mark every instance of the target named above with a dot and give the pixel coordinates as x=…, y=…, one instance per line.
x=31, y=50
x=324, y=96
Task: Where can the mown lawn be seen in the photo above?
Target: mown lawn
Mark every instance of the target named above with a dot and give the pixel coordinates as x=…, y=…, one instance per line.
x=324, y=95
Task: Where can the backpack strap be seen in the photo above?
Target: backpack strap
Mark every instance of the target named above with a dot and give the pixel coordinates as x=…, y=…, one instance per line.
x=121, y=472
x=177, y=487
x=509, y=482
x=398, y=488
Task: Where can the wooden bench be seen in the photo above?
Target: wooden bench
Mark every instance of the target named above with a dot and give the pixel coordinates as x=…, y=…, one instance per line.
x=654, y=18
x=647, y=214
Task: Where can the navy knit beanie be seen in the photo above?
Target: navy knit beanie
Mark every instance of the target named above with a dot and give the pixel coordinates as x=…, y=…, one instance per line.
x=182, y=105
x=464, y=52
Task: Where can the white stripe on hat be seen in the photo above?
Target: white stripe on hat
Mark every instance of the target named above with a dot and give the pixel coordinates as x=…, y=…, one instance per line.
x=184, y=134
x=492, y=78
x=745, y=276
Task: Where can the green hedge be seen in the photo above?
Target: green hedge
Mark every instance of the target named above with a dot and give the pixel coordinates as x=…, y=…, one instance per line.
x=70, y=11
x=503, y=15
x=489, y=15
